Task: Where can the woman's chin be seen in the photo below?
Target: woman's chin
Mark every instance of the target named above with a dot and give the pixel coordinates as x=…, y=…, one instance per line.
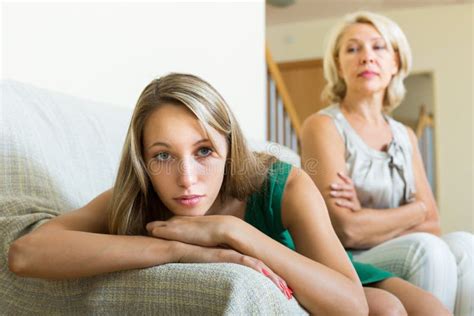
x=189, y=211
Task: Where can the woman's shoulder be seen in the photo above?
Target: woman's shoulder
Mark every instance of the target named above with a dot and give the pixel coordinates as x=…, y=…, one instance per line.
x=321, y=126
x=286, y=177
x=326, y=114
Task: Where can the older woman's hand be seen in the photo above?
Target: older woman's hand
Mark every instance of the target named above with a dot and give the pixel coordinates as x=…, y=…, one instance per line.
x=345, y=194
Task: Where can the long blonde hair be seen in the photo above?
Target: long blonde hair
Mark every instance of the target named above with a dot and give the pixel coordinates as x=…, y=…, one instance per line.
x=335, y=89
x=134, y=201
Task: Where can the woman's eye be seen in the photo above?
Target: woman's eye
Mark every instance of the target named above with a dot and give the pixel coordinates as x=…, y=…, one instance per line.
x=379, y=46
x=204, y=152
x=164, y=156
x=351, y=49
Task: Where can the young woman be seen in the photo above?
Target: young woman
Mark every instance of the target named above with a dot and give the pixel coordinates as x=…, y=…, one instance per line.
x=370, y=171
x=189, y=190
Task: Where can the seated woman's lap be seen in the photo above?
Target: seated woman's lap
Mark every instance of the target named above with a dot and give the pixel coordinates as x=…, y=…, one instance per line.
x=422, y=259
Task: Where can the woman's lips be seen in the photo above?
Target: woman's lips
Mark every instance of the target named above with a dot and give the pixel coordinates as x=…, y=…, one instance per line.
x=368, y=74
x=189, y=200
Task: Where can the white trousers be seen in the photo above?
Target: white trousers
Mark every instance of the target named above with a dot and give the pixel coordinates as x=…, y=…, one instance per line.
x=442, y=266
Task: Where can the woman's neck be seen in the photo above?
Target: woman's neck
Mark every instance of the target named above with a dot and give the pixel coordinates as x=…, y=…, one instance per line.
x=367, y=108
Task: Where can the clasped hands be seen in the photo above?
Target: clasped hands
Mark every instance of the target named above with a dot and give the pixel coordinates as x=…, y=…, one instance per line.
x=206, y=239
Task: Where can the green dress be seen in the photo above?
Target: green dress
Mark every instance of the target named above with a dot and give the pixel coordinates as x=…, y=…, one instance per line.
x=264, y=213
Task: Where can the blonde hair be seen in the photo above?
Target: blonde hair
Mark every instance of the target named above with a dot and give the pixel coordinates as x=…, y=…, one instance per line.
x=335, y=89
x=134, y=201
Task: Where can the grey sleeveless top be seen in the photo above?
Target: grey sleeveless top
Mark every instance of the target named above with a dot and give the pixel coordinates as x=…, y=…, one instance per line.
x=382, y=179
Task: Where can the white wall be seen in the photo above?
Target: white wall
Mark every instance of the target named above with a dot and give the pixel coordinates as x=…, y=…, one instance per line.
x=110, y=51
x=442, y=42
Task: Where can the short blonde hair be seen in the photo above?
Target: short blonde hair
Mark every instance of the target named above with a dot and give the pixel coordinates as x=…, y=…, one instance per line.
x=134, y=201
x=335, y=89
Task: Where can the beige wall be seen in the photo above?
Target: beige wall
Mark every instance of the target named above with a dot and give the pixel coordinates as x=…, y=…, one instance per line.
x=442, y=42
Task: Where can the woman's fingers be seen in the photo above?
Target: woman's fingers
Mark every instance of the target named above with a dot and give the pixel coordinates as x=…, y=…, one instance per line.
x=342, y=187
x=149, y=227
x=342, y=194
x=345, y=203
x=259, y=266
x=186, y=229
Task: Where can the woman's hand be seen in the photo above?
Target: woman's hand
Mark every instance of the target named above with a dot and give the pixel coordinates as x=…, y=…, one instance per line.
x=345, y=193
x=187, y=253
x=207, y=231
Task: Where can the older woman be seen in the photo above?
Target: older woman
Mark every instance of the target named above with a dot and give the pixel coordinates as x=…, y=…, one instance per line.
x=370, y=170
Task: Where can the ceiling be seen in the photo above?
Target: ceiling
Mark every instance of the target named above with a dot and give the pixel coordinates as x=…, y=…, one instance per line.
x=303, y=10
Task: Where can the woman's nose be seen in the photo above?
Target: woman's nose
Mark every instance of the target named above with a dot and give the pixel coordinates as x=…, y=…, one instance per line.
x=187, y=173
x=367, y=56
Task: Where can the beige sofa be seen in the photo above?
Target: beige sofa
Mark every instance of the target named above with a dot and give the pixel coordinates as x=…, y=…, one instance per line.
x=56, y=153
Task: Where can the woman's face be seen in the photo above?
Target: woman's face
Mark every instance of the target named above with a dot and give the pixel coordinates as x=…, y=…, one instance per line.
x=186, y=169
x=365, y=62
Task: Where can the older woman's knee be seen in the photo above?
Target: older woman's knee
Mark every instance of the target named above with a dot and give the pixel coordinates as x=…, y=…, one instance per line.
x=429, y=247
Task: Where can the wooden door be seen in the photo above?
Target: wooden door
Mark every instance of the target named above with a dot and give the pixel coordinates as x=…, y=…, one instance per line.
x=305, y=82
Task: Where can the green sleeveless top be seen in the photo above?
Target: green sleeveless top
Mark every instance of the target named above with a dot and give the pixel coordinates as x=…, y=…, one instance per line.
x=264, y=213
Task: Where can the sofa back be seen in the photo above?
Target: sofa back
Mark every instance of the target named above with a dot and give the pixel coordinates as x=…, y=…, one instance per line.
x=60, y=149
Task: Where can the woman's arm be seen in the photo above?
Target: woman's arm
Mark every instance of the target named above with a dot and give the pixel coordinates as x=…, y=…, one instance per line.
x=319, y=273
x=76, y=245
x=323, y=156
x=305, y=215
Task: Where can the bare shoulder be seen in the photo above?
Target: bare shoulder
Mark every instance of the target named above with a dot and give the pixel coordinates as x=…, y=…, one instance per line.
x=91, y=217
x=321, y=127
x=298, y=179
x=300, y=196
x=299, y=186
x=319, y=122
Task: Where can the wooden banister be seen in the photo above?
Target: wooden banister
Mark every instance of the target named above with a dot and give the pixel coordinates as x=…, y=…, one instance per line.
x=283, y=125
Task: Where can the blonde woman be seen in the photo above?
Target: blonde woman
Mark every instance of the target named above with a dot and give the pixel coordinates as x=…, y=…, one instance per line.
x=370, y=172
x=189, y=190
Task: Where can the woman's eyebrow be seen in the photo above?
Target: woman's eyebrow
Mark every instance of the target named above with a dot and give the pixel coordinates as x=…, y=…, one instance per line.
x=159, y=144
x=204, y=140
x=373, y=39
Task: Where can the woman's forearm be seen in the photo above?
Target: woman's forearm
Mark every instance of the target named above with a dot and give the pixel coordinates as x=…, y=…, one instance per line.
x=370, y=227
x=431, y=226
x=63, y=254
x=318, y=288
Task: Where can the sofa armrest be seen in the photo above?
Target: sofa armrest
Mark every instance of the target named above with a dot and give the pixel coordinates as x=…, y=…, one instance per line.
x=171, y=289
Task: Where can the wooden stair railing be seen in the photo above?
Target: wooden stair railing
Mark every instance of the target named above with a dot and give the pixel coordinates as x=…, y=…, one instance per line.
x=283, y=124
